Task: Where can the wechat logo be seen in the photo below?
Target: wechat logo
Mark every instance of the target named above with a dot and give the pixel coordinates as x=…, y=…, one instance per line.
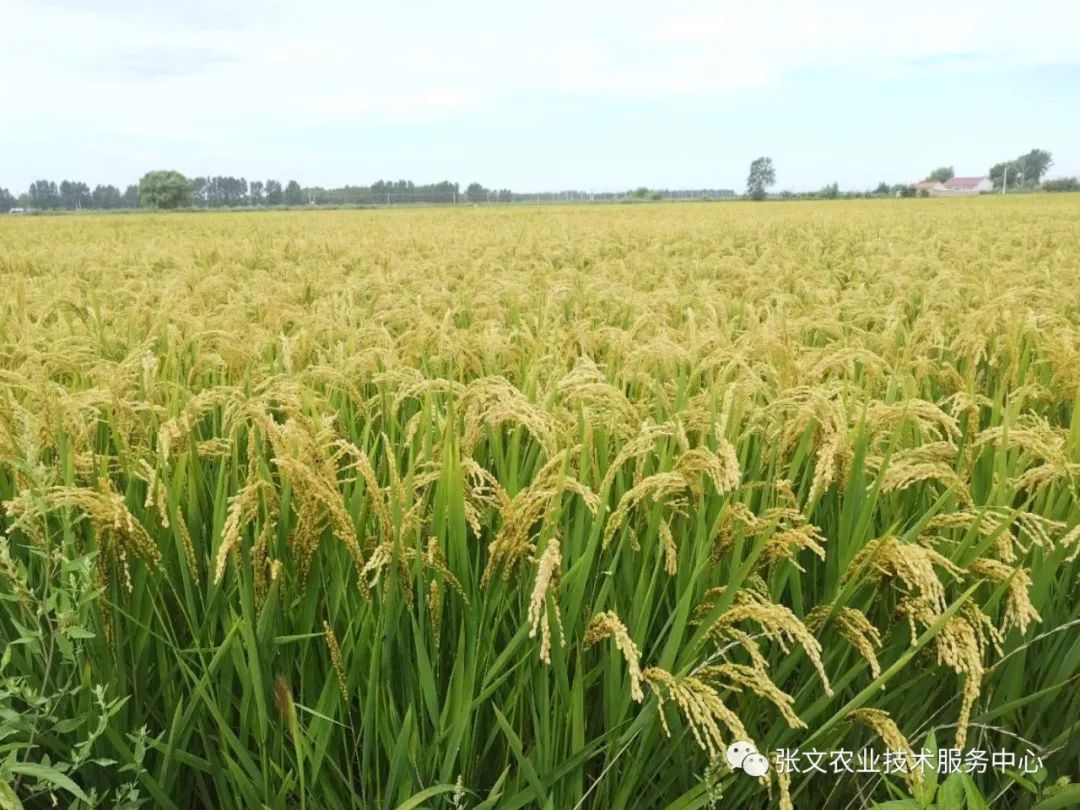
x=744, y=756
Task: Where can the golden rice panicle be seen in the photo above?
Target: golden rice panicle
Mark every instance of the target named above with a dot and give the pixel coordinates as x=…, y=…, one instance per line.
x=903, y=473
x=243, y=509
x=753, y=525
x=748, y=643
x=669, y=549
x=988, y=521
x=833, y=457
x=855, y=628
x=492, y=402
x=397, y=486
x=361, y=462
x=820, y=409
x=637, y=448
x=435, y=605
x=187, y=544
x=156, y=499
x=721, y=467
x=336, y=660
x=881, y=723
x=958, y=646
x=483, y=492
x=380, y=558
x=435, y=563
x=119, y=533
x=1072, y=540
x=301, y=454
x=548, y=573
x=913, y=564
x=1044, y=444
x=657, y=487
x=961, y=645
x=1019, y=612
x=609, y=625
x=178, y=430
x=1038, y=529
x=931, y=453
x=514, y=540
x=931, y=422
x=741, y=676
x=777, y=623
x=701, y=707
x=586, y=388
x=783, y=783
x=786, y=544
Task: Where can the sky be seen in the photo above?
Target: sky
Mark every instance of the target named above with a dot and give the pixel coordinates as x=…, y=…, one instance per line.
x=600, y=96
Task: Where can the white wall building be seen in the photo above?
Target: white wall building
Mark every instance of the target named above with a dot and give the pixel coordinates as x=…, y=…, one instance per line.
x=965, y=185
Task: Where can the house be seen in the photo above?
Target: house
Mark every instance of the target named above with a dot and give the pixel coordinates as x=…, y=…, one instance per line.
x=968, y=185
x=954, y=187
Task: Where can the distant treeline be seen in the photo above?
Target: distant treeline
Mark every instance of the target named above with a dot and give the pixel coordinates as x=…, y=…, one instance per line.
x=46, y=195
x=238, y=192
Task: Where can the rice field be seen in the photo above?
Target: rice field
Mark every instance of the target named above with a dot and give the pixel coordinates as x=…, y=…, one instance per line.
x=539, y=507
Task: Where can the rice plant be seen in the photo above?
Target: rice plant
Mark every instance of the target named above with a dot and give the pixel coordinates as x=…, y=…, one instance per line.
x=497, y=508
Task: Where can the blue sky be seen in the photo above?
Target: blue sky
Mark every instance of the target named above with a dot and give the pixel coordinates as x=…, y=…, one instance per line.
x=599, y=95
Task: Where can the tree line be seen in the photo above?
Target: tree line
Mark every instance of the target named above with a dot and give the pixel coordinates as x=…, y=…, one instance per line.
x=47, y=195
x=1023, y=173
x=763, y=176
x=171, y=189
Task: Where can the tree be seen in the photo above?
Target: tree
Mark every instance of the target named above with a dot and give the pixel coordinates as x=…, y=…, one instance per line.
x=255, y=193
x=274, y=194
x=75, y=196
x=106, y=197
x=829, y=192
x=762, y=175
x=1060, y=184
x=882, y=189
x=165, y=189
x=229, y=191
x=1034, y=164
x=941, y=174
x=1026, y=170
x=218, y=192
x=131, y=197
x=200, y=191
x=7, y=200
x=294, y=195
x=43, y=194
x=475, y=192
x=999, y=171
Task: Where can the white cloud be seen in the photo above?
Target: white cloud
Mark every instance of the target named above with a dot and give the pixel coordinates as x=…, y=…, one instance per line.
x=224, y=61
x=204, y=72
